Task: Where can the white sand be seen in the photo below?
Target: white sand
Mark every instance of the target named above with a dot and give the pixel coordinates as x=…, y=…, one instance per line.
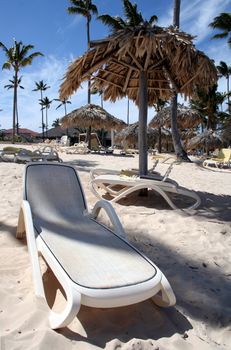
x=193, y=251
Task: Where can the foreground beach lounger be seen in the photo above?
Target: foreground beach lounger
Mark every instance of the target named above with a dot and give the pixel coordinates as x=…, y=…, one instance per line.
x=96, y=266
x=118, y=185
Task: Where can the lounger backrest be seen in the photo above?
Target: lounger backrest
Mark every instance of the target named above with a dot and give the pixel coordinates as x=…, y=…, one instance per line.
x=53, y=191
x=226, y=154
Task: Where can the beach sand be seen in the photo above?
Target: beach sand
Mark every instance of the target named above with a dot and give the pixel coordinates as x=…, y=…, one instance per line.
x=192, y=250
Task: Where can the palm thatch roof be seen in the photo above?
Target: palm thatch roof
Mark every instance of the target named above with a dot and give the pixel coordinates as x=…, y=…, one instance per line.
x=59, y=132
x=209, y=140
x=187, y=118
x=131, y=132
x=167, y=55
x=94, y=116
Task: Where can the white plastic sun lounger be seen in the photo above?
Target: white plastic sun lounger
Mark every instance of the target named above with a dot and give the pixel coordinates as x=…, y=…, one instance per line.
x=118, y=186
x=95, y=266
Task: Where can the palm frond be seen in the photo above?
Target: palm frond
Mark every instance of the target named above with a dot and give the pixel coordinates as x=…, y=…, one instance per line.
x=6, y=65
x=153, y=19
x=114, y=23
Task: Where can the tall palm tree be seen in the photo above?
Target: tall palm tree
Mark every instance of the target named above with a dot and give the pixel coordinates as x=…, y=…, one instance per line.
x=222, y=23
x=17, y=58
x=225, y=71
x=134, y=18
x=41, y=86
x=45, y=103
x=11, y=86
x=179, y=151
x=86, y=9
x=64, y=103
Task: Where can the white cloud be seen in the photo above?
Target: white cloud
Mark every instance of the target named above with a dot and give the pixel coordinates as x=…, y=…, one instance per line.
x=195, y=16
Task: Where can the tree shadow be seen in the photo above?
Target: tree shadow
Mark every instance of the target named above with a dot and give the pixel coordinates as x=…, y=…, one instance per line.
x=214, y=207
x=202, y=289
x=82, y=165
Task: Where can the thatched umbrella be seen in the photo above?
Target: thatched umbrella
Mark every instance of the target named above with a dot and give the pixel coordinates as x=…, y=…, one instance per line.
x=92, y=115
x=187, y=118
x=131, y=132
x=208, y=140
x=144, y=63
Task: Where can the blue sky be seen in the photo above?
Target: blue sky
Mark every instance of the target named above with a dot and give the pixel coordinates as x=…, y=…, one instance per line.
x=62, y=38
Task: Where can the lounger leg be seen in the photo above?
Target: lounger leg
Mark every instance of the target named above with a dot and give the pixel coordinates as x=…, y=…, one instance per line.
x=72, y=308
x=21, y=229
x=167, y=297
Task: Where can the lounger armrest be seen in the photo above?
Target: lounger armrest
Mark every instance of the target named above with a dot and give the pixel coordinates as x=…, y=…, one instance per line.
x=32, y=248
x=102, y=204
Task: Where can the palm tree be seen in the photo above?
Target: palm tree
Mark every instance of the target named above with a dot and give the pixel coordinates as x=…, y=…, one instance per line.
x=86, y=9
x=64, y=103
x=11, y=86
x=134, y=18
x=17, y=58
x=41, y=86
x=222, y=23
x=56, y=123
x=207, y=104
x=225, y=71
x=180, y=152
x=158, y=107
x=45, y=103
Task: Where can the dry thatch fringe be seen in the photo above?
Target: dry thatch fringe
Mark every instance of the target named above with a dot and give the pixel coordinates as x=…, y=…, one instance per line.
x=94, y=116
x=187, y=118
x=114, y=64
x=208, y=140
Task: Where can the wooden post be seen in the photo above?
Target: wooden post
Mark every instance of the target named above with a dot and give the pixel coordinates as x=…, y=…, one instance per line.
x=143, y=112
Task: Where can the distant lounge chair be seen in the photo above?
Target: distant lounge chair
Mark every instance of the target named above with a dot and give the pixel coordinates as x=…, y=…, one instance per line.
x=78, y=148
x=46, y=154
x=223, y=159
x=119, y=184
x=95, y=266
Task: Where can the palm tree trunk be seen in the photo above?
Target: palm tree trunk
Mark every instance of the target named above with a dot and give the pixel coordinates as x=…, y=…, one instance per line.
x=143, y=112
x=65, y=111
x=17, y=126
x=229, y=107
x=46, y=121
x=159, y=140
x=42, y=118
x=179, y=151
x=89, y=83
x=128, y=112
x=14, y=104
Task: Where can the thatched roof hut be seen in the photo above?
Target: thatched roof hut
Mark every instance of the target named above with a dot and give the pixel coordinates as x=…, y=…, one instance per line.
x=94, y=116
x=58, y=132
x=144, y=63
x=208, y=140
x=131, y=132
x=187, y=118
